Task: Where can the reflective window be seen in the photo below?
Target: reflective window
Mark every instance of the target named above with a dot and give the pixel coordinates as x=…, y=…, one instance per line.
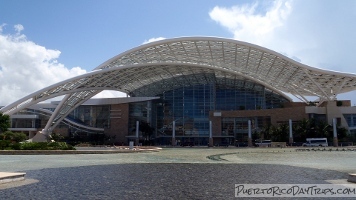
x=95, y=116
x=238, y=127
x=350, y=119
x=188, y=105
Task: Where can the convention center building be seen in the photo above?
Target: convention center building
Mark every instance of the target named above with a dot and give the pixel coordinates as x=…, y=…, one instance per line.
x=186, y=89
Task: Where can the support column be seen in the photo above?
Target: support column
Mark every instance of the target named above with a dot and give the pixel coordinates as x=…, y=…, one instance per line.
x=249, y=140
x=174, y=134
x=137, y=130
x=290, y=131
x=51, y=124
x=31, y=134
x=211, y=141
x=335, y=140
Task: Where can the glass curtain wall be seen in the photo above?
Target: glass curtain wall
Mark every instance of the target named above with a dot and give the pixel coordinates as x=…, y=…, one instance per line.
x=94, y=116
x=237, y=128
x=189, y=106
x=137, y=112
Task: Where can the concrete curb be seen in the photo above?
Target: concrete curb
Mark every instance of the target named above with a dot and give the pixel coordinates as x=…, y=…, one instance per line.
x=81, y=150
x=352, y=178
x=7, y=177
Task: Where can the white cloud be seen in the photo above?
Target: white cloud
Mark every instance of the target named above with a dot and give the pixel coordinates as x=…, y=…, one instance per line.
x=26, y=67
x=315, y=33
x=18, y=28
x=153, y=40
x=247, y=23
x=110, y=94
x=312, y=32
x=2, y=27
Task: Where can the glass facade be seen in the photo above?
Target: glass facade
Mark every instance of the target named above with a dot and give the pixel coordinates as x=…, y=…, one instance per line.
x=350, y=119
x=30, y=122
x=318, y=117
x=97, y=116
x=137, y=112
x=235, y=130
x=25, y=123
x=189, y=106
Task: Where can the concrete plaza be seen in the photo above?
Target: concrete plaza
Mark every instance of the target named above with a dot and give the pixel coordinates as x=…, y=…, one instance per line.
x=171, y=173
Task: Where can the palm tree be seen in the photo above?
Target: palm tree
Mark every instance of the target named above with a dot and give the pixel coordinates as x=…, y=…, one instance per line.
x=323, y=129
x=265, y=133
x=280, y=133
x=301, y=130
x=147, y=130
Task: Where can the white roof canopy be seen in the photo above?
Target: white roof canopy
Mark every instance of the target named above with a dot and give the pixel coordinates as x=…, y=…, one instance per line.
x=172, y=59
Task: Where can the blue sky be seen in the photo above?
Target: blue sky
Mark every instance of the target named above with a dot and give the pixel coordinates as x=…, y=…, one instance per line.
x=45, y=41
x=88, y=32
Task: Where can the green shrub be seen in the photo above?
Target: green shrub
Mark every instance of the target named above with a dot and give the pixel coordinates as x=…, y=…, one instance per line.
x=11, y=145
x=16, y=137
x=53, y=145
x=4, y=144
x=60, y=146
x=7, y=135
x=19, y=137
x=34, y=146
x=15, y=146
x=46, y=146
x=64, y=146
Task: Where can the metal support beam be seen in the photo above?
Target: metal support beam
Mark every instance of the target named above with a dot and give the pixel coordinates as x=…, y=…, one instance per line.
x=335, y=140
x=211, y=141
x=249, y=134
x=174, y=134
x=290, y=131
x=137, y=130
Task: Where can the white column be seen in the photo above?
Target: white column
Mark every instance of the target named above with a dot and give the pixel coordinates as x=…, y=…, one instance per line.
x=290, y=131
x=174, y=130
x=211, y=141
x=174, y=134
x=334, y=128
x=335, y=140
x=249, y=129
x=210, y=129
x=249, y=140
x=137, y=130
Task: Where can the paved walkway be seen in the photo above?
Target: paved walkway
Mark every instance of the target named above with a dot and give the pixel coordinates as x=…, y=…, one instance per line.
x=6, y=177
x=83, y=150
x=195, y=173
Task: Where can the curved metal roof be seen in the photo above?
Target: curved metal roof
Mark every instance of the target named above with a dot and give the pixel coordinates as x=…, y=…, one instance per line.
x=172, y=59
x=252, y=61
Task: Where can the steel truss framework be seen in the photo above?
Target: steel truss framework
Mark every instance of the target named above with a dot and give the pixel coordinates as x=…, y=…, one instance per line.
x=167, y=61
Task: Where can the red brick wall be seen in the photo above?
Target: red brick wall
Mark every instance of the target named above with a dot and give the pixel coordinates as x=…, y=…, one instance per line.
x=277, y=115
x=119, y=120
